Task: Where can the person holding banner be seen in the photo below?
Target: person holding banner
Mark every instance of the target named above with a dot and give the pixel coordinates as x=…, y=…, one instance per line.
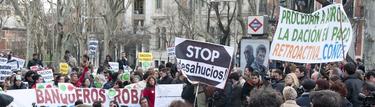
x=18, y=83
x=149, y=91
x=35, y=61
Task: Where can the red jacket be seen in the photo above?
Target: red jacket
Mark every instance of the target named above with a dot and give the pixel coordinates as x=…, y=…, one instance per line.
x=82, y=77
x=149, y=92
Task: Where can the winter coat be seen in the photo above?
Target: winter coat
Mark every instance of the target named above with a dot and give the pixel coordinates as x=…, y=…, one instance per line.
x=34, y=62
x=149, y=93
x=165, y=80
x=345, y=102
x=22, y=86
x=234, y=95
x=304, y=100
x=289, y=103
x=354, y=86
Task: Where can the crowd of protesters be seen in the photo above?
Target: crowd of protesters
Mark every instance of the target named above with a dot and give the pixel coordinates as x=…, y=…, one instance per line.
x=286, y=85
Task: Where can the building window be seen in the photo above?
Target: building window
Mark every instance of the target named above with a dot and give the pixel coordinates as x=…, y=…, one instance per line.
x=158, y=4
x=137, y=26
x=138, y=6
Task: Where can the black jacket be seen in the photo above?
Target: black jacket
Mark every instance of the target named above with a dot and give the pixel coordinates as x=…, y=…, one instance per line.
x=165, y=80
x=354, y=86
x=22, y=86
x=122, y=63
x=34, y=62
x=278, y=85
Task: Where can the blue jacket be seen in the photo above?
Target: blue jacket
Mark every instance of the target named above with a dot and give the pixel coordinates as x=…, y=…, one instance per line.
x=304, y=100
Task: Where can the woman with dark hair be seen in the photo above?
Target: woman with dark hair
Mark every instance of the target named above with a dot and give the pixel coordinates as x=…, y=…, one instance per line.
x=149, y=91
x=108, y=58
x=59, y=79
x=321, y=85
x=38, y=79
x=340, y=88
x=86, y=83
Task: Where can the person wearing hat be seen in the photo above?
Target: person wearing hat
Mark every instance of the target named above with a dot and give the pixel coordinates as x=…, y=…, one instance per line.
x=18, y=83
x=304, y=100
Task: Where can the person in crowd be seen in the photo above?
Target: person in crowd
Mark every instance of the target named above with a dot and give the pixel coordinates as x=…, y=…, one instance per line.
x=109, y=82
x=300, y=72
x=35, y=61
x=72, y=62
x=325, y=98
x=188, y=92
x=370, y=77
x=253, y=83
x=123, y=61
x=29, y=78
x=108, y=58
x=234, y=90
x=292, y=80
x=290, y=95
x=178, y=103
x=73, y=78
x=78, y=102
x=277, y=80
x=144, y=102
x=18, y=83
x=117, y=85
x=340, y=88
x=87, y=83
x=353, y=84
x=134, y=78
x=304, y=100
x=149, y=91
x=97, y=104
x=164, y=77
x=6, y=84
x=265, y=97
x=179, y=79
x=113, y=104
x=38, y=79
x=321, y=85
x=59, y=79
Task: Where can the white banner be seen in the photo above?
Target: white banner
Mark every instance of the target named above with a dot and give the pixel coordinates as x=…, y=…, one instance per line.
x=312, y=38
x=204, y=62
x=46, y=74
x=165, y=94
x=53, y=97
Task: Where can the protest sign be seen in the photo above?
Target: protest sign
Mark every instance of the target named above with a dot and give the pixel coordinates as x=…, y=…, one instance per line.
x=53, y=97
x=3, y=60
x=114, y=66
x=204, y=62
x=170, y=51
x=46, y=74
x=254, y=53
x=144, y=57
x=5, y=71
x=312, y=38
x=165, y=94
x=64, y=68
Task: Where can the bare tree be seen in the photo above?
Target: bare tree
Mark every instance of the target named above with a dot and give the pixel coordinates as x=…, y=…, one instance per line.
x=113, y=9
x=225, y=28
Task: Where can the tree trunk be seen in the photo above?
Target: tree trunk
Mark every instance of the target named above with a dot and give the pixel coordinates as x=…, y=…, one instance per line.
x=369, y=49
